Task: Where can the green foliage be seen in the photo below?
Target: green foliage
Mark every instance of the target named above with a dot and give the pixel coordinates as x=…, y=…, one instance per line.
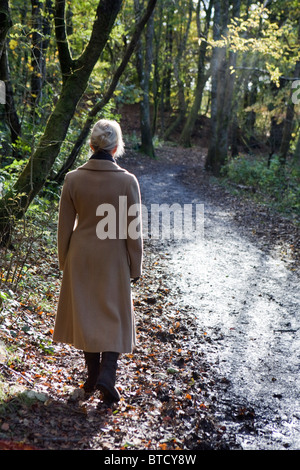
x=257, y=33
x=273, y=185
x=9, y=173
x=265, y=42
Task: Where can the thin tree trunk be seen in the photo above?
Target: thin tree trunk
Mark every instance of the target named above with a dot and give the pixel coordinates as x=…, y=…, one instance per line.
x=41, y=29
x=222, y=92
x=11, y=115
x=296, y=156
x=288, y=127
x=202, y=77
x=226, y=110
x=144, y=65
x=216, y=63
x=289, y=118
x=100, y=105
x=169, y=58
x=156, y=65
x=177, y=73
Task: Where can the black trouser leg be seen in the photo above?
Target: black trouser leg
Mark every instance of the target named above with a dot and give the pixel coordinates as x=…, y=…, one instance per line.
x=92, y=361
x=107, y=376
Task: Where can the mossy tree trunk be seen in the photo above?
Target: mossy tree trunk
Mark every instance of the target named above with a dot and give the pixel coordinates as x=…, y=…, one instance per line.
x=75, y=75
x=70, y=161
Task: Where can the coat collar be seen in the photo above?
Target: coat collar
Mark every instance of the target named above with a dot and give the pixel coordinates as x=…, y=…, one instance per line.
x=100, y=165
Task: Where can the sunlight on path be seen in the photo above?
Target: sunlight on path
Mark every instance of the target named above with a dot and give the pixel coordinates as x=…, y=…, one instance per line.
x=248, y=302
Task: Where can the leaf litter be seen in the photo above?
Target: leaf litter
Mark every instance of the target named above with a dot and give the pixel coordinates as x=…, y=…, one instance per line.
x=169, y=389
x=167, y=393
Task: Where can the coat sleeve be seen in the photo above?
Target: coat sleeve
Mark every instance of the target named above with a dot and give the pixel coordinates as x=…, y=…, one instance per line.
x=134, y=229
x=66, y=221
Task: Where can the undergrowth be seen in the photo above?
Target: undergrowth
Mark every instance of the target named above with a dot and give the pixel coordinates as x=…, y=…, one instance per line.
x=273, y=185
x=28, y=279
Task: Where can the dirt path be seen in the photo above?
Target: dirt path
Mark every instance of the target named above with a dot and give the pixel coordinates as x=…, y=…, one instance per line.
x=217, y=361
x=247, y=300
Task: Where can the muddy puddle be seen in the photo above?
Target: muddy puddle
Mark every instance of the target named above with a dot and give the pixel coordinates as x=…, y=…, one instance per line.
x=247, y=301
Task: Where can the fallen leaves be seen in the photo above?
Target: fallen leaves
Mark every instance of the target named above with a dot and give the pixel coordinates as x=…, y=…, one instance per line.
x=11, y=445
x=164, y=385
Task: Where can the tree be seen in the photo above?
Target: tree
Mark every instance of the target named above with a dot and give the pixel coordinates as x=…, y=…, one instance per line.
x=40, y=40
x=5, y=22
x=202, y=75
x=11, y=115
x=259, y=34
x=10, y=109
x=68, y=164
x=144, y=66
x=75, y=75
x=177, y=66
x=220, y=86
x=296, y=156
x=289, y=117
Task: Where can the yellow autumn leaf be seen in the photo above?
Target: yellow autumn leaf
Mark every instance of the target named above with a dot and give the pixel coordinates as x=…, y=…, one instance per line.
x=13, y=44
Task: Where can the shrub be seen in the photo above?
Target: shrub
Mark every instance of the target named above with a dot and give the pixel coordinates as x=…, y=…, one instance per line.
x=274, y=185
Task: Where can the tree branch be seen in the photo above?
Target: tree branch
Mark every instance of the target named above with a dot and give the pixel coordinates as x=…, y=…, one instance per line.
x=106, y=12
x=65, y=59
x=33, y=177
x=100, y=105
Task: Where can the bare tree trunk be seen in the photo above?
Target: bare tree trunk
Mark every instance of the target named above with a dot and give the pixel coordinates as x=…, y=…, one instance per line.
x=41, y=28
x=217, y=65
x=10, y=109
x=177, y=73
x=289, y=118
x=222, y=92
x=296, y=156
x=288, y=126
x=157, y=82
x=167, y=79
x=202, y=77
x=144, y=65
x=165, y=72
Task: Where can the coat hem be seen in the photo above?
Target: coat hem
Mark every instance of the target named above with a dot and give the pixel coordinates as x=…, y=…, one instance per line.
x=97, y=349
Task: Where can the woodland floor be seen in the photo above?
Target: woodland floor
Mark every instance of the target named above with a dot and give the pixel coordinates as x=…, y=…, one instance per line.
x=170, y=392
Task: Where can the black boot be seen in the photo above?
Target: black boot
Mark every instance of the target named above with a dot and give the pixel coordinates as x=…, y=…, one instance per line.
x=107, y=377
x=92, y=361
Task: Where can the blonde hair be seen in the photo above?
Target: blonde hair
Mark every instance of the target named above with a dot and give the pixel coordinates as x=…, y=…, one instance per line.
x=107, y=135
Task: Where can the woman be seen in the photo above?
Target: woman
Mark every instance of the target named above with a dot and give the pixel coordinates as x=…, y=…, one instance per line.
x=95, y=311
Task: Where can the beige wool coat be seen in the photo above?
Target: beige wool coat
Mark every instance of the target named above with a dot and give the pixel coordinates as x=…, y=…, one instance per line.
x=95, y=308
